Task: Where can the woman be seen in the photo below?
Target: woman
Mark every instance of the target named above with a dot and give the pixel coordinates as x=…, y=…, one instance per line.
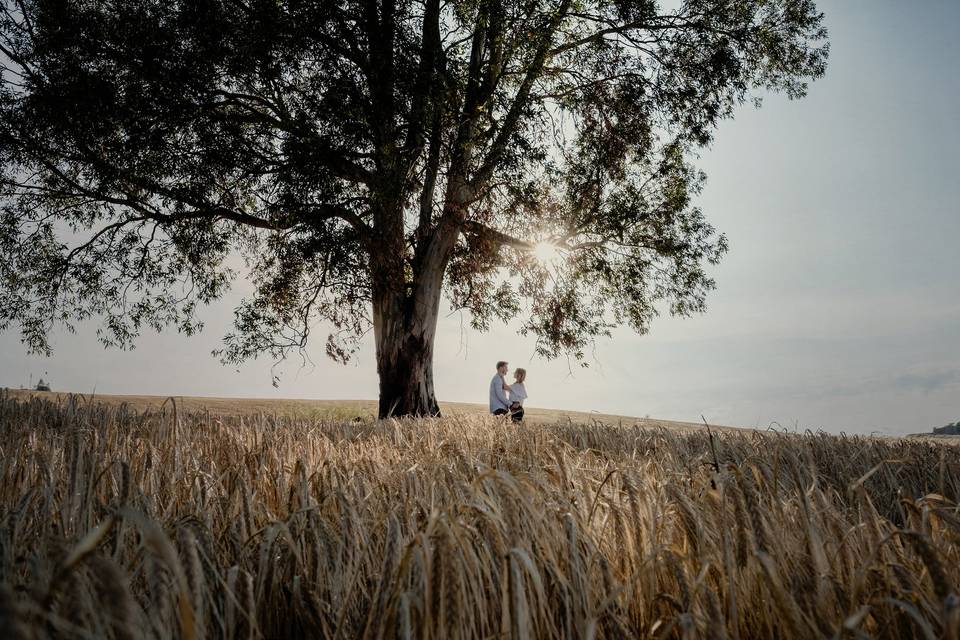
x=518, y=393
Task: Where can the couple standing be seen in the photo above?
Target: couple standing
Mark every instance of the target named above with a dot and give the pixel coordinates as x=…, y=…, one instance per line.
x=508, y=398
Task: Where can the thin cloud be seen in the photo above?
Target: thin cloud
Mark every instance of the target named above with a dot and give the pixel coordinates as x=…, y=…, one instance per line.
x=927, y=382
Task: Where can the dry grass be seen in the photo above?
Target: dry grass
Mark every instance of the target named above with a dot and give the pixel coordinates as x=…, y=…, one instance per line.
x=117, y=523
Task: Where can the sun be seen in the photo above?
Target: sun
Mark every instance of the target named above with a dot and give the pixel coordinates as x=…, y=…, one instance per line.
x=547, y=253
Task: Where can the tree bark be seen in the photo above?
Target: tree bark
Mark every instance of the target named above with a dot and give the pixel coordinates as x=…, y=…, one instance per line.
x=404, y=328
x=405, y=310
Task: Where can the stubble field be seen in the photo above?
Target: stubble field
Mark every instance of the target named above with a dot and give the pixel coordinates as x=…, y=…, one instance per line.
x=126, y=522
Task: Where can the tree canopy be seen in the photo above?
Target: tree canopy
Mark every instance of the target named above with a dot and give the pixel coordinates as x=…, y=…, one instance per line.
x=350, y=149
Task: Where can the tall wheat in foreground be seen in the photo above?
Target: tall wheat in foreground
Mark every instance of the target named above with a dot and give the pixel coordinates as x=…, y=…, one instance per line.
x=121, y=524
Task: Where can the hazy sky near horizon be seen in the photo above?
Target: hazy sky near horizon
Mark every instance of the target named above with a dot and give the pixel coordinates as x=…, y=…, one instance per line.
x=838, y=305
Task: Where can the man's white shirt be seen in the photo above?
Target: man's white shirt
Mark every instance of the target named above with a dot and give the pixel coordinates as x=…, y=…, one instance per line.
x=498, y=397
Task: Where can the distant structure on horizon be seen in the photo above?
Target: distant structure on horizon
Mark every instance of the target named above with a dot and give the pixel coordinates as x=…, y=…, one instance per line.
x=952, y=429
x=42, y=386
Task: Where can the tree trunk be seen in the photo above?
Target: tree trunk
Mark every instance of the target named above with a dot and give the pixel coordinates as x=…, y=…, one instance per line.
x=405, y=327
x=405, y=365
x=405, y=312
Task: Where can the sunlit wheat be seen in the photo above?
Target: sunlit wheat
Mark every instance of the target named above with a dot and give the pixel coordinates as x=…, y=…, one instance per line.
x=121, y=524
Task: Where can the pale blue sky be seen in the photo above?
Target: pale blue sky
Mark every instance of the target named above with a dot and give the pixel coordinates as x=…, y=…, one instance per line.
x=838, y=305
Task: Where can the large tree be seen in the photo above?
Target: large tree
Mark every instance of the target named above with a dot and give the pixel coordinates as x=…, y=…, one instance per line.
x=368, y=158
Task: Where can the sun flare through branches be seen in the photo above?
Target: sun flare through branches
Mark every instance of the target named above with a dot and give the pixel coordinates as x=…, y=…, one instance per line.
x=548, y=254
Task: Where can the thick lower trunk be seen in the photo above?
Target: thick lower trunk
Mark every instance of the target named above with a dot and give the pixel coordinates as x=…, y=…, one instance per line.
x=406, y=378
x=405, y=328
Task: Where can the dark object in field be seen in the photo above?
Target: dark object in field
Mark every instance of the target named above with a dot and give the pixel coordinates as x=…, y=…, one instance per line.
x=42, y=386
x=952, y=429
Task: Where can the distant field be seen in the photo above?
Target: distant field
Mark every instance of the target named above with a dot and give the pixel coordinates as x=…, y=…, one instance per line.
x=342, y=409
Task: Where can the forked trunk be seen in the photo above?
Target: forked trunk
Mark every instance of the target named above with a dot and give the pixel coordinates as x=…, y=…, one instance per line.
x=405, y=312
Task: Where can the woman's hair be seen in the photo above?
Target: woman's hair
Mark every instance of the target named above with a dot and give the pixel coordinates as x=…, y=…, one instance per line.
x=520, y=374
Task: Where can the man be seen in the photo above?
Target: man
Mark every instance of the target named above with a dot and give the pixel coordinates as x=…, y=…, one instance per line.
x=499, y=403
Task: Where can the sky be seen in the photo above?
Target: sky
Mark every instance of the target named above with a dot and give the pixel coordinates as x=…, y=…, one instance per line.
x=837, y=307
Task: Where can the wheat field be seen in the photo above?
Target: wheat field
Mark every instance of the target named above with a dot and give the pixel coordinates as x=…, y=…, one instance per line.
x=336, y=409
x=167, y=523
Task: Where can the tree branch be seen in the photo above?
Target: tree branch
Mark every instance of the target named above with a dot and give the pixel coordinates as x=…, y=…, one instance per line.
x=207, y=210
x=488, y=233
x=498, y=148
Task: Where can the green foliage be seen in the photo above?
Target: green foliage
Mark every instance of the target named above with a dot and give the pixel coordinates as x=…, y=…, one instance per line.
x=348, y=148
